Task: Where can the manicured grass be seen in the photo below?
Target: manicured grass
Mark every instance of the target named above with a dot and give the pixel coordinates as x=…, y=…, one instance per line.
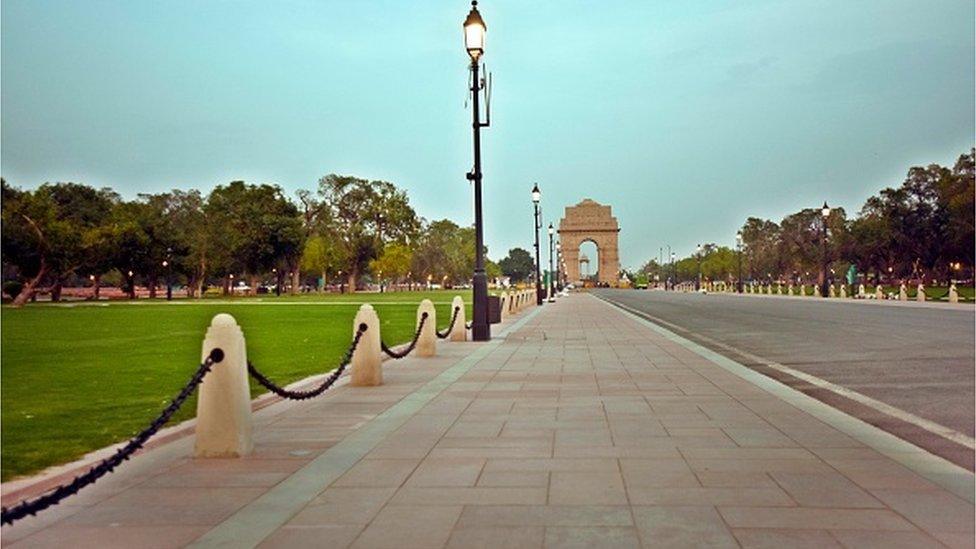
x=78, y=378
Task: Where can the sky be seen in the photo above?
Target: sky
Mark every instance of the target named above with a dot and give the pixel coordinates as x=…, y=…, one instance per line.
x=685, y=117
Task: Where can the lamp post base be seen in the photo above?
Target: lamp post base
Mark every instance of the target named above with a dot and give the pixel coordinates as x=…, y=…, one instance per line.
x=480, y=328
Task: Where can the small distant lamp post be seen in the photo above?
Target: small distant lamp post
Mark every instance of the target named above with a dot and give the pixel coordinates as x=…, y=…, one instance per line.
x=824, y=214
x=674, y=270
x=558, y=260
x=277, y=282
x=699, y=278
x=168, y=263
x=342, y=287
x=474, y=43
x=552, y=231
x=536, y=197
x=738, y=247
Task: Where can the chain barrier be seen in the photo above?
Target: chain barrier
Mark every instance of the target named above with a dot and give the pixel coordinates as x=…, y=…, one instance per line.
x=107, y=465
x=939, y=298
x=416, y=337
x=311, y=393
x=447, y=331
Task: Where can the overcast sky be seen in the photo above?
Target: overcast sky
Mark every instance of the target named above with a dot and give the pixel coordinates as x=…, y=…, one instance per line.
x=686, y=117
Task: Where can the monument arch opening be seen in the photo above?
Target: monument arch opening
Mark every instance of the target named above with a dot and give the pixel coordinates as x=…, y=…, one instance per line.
x=590, y=222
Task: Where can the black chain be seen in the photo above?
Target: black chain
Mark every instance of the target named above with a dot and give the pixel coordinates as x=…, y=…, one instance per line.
x=447, y=332
x=107, y=465
x=326, y=383
x=416, y=337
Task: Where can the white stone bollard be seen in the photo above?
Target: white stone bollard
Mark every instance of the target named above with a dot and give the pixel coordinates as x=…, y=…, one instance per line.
x=920, y=293
x=902, y=292
x=843, y=291
x=879, y=292
x=769, y=289
x=503, y=304
x=367, y=360
x=953, y=293
x=427, y=343
x=224, y=404
x=458, y=332
x=861, y=291
x=789, y=289
x=779, y=288
x=833, y=293
x=803, y=290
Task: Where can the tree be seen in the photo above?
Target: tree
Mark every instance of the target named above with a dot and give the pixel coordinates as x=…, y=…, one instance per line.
x=518, y=265
x=322, y=255
x=394, y=263
x=364, y=215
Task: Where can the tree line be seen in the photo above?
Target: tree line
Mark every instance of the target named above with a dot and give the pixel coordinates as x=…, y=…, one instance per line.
x=920, y=230
x=348, y=229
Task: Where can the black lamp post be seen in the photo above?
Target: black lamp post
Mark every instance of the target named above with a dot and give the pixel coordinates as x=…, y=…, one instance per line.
x=168, y=263
x=698, y=279
x=474, y=43
x=674, y=270
x=738, y=246
x=558, y=259
x=536, y=197
x=551, y=268
x=824, y=214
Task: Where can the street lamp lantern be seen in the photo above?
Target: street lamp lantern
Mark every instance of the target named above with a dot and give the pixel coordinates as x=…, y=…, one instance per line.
x=474, y=33
x=698, y=280
x=536, y=194
x=738, y=246
x=824, y=282
x=825, y=211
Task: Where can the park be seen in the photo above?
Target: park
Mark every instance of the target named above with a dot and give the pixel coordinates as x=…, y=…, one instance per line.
x=321, y=310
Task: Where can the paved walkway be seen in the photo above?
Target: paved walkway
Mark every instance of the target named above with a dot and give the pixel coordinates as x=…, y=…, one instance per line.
x=579, y=426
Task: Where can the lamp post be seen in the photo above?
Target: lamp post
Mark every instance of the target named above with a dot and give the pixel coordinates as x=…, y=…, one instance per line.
x=558, y=260
x=698, y=279
x=474, y=43
x=738, y=246
x=168, y=263
x=551, y=248
x=824, y=214
x=674, y=272
x=536, y=197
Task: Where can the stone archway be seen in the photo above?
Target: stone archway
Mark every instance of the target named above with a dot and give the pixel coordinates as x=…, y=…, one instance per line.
x=590, y=220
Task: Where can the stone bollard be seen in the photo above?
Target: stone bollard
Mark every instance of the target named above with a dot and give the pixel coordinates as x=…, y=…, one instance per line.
x=803, y=290
x=224, y=404
x=861, y=291
x=843, y=291
x=458, y=332
x=427, y=343
x=779, y=288
x=833, y=293
x=769, y=289
x=902, y=292
x=367, y=360
x=920, y=293
x=503, y=305
x=953, y=293
x=879, y=292
x=789, y=289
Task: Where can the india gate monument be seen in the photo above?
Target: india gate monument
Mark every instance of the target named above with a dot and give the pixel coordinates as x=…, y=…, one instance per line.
x=590, y=221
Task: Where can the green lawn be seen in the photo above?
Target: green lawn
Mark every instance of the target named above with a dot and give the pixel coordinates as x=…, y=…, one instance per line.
x=80, y=377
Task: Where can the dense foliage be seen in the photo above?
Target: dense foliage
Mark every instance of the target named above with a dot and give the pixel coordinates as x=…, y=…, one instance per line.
x=920, y=230
x=348, y=230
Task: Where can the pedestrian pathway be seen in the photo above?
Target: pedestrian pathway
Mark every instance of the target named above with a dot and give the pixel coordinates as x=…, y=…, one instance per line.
x=579, y=425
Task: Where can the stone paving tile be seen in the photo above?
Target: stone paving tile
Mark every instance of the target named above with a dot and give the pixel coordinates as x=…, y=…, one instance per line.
x=874, y=539
x=586, y=537
x=121, y=537
x=378, y=472
x=447, y=472
x=757, y=497
x=758, y=538
x=930, y=510
x=823, y=519
x=589, y=488
x=682, y=527
x=410, y=526
x=478, y=495
x=497, y=537
x=824, y=490
x=330, y=536
x=545, y=515
x=343, y=506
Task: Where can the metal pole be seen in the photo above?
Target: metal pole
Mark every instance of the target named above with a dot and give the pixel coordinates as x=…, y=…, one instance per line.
x=740, y=268
x=698, y=280
x=551, y=286
x=480, y=328
x=823, y=259
x=538, y=262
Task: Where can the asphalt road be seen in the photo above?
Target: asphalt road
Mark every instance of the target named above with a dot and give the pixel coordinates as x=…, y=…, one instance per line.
x=917, y=359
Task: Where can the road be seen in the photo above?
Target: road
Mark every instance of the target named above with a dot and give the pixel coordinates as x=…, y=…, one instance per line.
x=905, y=368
